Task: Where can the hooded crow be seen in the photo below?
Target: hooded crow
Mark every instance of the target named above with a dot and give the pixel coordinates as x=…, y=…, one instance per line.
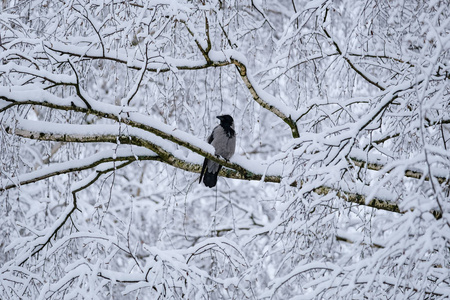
x=223, y=138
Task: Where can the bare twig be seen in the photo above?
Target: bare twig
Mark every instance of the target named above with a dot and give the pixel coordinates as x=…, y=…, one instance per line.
x=78, y=87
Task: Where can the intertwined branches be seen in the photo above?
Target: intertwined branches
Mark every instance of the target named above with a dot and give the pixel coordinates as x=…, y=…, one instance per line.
x=342, y=114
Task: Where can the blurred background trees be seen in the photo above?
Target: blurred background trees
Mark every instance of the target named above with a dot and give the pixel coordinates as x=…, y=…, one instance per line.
x=339, y=187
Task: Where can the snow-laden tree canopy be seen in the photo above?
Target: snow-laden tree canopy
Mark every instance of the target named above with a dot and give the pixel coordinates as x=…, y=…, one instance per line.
x=339, y=187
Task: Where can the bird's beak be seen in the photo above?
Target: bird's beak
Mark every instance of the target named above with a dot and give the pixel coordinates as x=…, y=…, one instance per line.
x=219, y=117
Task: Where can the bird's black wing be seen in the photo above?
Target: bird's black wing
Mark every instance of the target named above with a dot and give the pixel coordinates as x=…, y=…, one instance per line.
x=211, y=137
x=205, y=162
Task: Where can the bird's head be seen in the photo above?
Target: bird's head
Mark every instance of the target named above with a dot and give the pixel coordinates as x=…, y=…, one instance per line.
x=226, y=120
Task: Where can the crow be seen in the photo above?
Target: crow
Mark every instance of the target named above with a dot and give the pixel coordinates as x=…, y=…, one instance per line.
x=223, y=138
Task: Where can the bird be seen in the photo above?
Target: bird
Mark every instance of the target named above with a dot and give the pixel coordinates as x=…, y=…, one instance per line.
x=223, y=138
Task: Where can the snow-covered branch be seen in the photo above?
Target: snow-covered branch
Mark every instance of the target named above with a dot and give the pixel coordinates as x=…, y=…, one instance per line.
x=134, y=134
x=105, y=110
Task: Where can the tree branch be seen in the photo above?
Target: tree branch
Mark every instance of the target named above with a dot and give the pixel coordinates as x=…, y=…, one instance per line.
x=156, y=67
x=366, y=77
x=82, y=164
x=166, y=132
x=257, y=97
x=236, y=170
x=39, y=243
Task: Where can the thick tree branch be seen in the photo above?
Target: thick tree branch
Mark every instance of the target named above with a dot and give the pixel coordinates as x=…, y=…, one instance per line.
x=236, y=171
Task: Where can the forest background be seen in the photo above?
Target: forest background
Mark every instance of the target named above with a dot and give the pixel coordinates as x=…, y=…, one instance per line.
x=339, y=188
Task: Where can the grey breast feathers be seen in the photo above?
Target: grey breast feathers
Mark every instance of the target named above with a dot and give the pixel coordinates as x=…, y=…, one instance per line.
x=224, y=145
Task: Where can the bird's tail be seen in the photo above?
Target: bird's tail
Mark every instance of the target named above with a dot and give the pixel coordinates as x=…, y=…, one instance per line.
x=210, y=179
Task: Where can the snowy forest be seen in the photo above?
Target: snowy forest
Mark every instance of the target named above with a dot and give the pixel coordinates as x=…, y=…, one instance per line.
x=339, y=187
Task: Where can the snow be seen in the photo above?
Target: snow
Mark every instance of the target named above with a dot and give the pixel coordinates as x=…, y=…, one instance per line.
x=372, y=119
x=61, y=168
x=85, y=131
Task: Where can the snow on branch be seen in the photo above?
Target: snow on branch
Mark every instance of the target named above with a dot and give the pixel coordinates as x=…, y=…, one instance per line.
x=134, y=154
x=121, y=96
x=238, y=168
